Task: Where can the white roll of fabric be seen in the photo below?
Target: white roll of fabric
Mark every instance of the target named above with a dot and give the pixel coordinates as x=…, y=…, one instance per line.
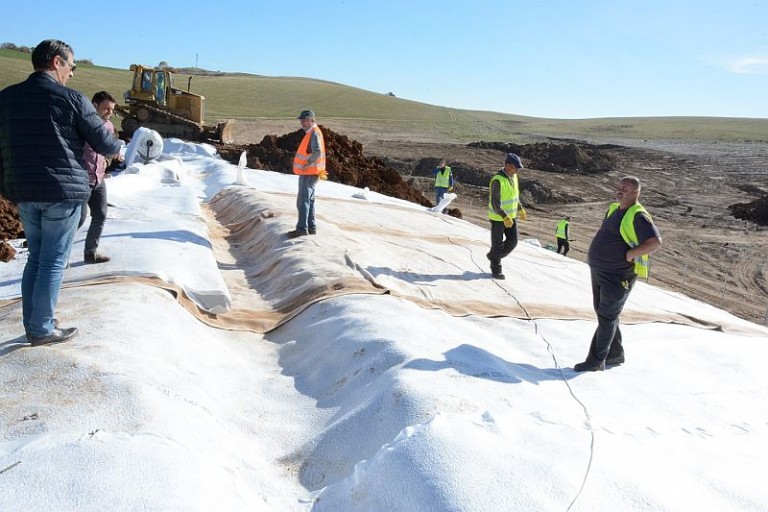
x=146, y=145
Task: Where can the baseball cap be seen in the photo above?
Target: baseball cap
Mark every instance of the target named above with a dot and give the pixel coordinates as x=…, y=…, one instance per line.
x=306, y=113
x=514, y=160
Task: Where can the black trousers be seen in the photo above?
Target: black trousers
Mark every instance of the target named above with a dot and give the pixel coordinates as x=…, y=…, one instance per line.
x=562, y=243
x=503, y=242
x=610, y=292
x=97, y=204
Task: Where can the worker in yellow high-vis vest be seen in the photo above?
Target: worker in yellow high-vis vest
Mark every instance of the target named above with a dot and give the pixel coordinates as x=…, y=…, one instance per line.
x=561, y=234
x=503, y=209
x=309, y=164
x=617, y=256
x=443, y=180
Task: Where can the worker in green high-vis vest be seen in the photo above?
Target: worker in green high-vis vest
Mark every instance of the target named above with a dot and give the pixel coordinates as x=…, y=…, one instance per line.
x=443, y=180
x=561, y=234
x=617, y=256
x=504, y=210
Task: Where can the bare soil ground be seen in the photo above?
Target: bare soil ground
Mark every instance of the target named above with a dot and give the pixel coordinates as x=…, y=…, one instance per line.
x=689, y=187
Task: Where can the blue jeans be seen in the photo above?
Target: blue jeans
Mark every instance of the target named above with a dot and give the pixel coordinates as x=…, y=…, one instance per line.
x=305, y=202
x=50, y=231
x=439, y=193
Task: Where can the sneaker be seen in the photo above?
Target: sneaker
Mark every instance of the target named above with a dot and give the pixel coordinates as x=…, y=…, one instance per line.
x=312, y=231
x=297, y=233
x=96, y=258
x=56, y=336
x=588, y=366
x=498, y=275
x=615, y=360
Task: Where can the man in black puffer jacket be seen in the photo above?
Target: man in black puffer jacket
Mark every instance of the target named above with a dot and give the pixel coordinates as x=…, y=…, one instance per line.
x=44, y=126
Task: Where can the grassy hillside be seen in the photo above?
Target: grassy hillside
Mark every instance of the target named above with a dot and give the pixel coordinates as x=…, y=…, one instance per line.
x=251, y=97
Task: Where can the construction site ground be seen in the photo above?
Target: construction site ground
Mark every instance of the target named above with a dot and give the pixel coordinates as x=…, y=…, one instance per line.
x=689, y=187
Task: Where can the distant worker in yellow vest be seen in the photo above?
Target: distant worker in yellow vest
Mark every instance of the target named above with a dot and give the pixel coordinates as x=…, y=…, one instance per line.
x=309, y=164
x=443, y=180
x=617, y=256
x=503, y=209
x=561, y=234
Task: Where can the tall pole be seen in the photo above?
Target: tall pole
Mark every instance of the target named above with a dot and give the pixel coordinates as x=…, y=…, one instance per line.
x=196, y=55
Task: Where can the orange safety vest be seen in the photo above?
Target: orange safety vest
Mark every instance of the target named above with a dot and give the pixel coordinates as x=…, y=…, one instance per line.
x=300, y=165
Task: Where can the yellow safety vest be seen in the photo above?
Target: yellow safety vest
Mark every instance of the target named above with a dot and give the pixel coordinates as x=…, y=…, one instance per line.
x=627, y=230
x=510, y=197
x=443, y=178
x=560, y=232
x=300, y=165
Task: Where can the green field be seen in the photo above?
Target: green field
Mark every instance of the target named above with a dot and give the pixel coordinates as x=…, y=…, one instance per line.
x=252, y=97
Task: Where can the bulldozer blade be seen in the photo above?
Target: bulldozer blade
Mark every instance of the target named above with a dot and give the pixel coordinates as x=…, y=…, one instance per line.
x=224, y=131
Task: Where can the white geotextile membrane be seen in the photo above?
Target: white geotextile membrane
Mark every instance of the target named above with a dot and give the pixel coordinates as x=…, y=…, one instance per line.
x=154, y=229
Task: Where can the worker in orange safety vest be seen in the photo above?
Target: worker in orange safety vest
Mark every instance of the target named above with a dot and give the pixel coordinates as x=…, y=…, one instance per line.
x=309, y=164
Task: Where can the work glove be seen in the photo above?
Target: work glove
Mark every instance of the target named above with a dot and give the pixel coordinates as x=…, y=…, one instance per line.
x=323, y=175
x=508, y=221
x=521, y=214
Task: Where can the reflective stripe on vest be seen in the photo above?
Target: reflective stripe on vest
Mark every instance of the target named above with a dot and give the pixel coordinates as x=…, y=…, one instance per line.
x=627, y=230
x=443, y=178
x=560, y=232
x=300, y=165
x=509, y=195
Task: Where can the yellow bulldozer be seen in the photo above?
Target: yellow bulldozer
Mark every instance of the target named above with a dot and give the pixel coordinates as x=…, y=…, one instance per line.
x=155, y=103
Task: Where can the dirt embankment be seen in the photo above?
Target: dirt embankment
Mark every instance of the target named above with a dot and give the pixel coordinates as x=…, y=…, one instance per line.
x=755, y=211
x=567, y=158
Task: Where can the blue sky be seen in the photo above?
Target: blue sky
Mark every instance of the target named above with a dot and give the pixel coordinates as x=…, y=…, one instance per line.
x=558, y=59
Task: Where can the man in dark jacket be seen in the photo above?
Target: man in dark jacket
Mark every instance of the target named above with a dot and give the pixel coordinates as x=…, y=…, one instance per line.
x=44, y=126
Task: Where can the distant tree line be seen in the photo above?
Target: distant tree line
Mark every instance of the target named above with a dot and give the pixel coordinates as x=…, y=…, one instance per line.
x=29, y=50
x=13, y=47
x=162, y=65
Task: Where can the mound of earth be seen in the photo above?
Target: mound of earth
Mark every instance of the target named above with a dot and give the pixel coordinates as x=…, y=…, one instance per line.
x=755, y=211
x=10, y=222
x=7, y=252
x=569, y=158
x=345, y=163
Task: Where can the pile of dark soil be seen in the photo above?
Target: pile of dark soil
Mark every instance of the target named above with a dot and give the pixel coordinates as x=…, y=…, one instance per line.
x=755, y=211
x=7, y=252
x=10, y=222
x=345, y=164
x=568, y=158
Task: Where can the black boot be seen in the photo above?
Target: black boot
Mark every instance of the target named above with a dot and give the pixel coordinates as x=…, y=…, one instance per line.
x=589, y=366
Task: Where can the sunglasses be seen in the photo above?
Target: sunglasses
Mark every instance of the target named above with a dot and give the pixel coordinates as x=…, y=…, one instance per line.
x=72, y=65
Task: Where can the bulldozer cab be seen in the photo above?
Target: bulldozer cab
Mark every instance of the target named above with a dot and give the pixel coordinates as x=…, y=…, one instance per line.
x=154, y=82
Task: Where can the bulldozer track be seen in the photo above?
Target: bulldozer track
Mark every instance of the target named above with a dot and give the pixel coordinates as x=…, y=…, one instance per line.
x=125, y=112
